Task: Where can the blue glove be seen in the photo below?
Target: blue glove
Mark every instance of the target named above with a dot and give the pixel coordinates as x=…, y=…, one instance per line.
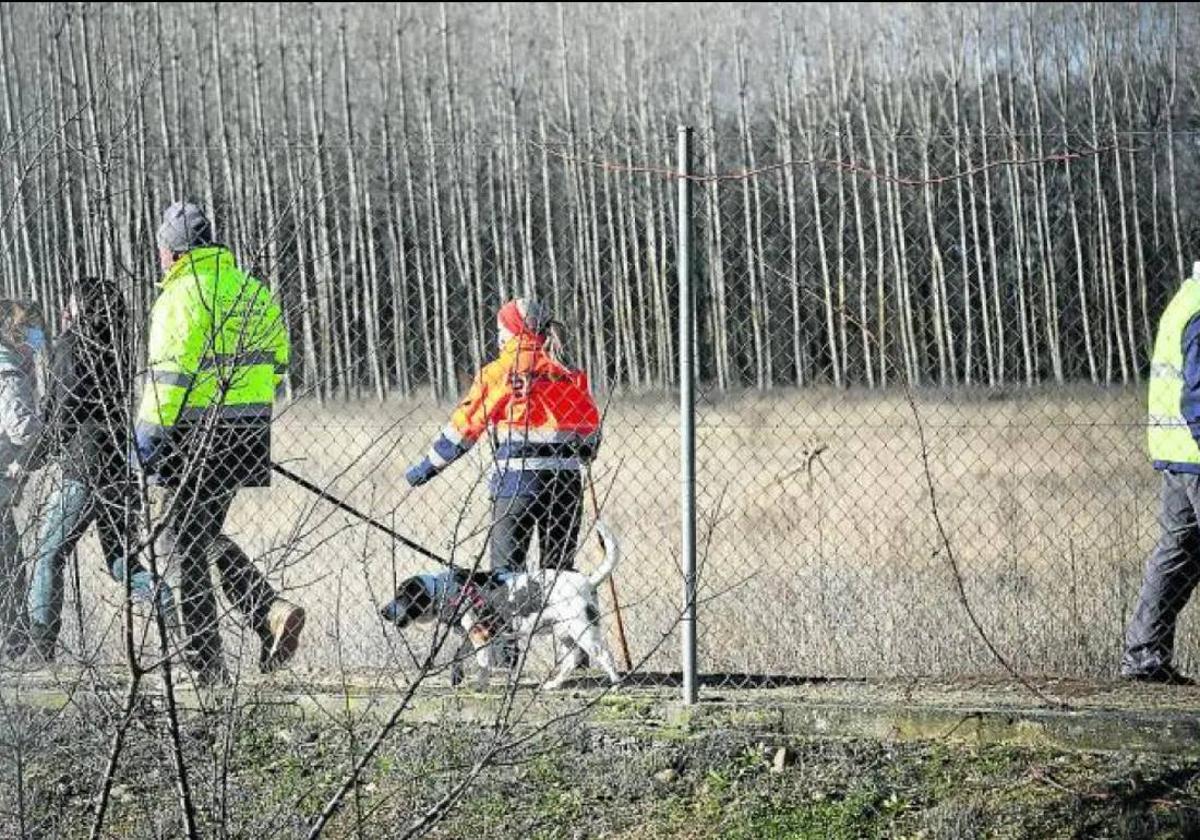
x=148, y=446
x=421, y=473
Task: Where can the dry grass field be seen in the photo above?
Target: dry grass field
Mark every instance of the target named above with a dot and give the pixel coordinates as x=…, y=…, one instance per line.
x=820, y=554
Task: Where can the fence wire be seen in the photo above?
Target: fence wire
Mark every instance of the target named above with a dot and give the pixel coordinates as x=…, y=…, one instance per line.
x=1004, y=309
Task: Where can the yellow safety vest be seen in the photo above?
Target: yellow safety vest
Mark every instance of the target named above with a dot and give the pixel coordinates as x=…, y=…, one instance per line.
x=1169, y=438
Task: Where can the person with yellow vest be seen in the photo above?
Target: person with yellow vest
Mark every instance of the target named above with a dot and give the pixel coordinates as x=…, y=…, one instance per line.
x=217, y=350
x=1173, y=568
x=544, y=427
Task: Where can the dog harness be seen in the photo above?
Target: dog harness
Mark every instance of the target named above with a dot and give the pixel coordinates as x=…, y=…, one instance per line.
x=469, y=594
x=486, y=619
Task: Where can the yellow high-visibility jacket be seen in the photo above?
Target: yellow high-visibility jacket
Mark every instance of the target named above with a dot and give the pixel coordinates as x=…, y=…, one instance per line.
x=217, y=351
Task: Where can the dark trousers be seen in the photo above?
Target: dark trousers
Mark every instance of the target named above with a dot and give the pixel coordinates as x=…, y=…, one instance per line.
x=13, y=630
x=1172, y=572
x=192, y=535
x=553, y=507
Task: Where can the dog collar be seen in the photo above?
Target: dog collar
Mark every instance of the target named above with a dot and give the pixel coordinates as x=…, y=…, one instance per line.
x=435, y=585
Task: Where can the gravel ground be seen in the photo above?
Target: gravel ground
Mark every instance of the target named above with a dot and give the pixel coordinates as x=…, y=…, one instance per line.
x=266, y=771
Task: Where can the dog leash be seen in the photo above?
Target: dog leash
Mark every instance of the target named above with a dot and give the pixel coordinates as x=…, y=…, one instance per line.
x=374, y=523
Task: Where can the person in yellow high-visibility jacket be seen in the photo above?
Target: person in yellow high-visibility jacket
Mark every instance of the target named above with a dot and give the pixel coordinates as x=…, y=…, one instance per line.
x=1173, y=438
x=218, y=350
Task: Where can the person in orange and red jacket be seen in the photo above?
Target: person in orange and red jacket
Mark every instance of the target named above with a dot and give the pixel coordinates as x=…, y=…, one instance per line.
x=544, y=426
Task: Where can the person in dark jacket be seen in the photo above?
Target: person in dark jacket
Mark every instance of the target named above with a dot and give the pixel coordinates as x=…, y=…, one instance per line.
x=86, y=420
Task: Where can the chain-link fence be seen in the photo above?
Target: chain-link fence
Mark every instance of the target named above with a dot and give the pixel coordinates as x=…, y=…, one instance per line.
x=925, y=292
x=919, y=363
x=922, y=428
x=925, y=249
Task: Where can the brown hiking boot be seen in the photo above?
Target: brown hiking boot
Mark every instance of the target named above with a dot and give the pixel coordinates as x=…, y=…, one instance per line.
x=280, y=634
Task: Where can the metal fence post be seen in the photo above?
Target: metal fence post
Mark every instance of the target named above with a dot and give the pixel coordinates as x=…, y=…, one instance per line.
x=687, y=413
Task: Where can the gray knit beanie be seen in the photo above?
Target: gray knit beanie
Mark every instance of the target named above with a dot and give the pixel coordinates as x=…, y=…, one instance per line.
x=184, y=227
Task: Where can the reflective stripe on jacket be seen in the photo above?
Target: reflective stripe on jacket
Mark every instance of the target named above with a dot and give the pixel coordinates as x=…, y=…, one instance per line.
x=540, y=414
x=218, y=349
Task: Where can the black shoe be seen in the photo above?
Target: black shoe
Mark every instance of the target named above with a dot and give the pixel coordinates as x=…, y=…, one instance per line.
x=41, y=653
x=509, y=654
x=1162, y=675
x=207, y=670
x=15, y=644
x=212, y=674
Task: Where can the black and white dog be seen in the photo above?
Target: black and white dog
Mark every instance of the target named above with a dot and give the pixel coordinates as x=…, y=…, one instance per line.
x=489, y=608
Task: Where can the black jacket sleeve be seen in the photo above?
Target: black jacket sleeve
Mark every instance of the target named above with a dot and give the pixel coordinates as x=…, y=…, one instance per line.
x=61, y=402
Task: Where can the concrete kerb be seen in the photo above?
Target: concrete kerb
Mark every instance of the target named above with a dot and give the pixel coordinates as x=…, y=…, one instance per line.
x=1098, y=717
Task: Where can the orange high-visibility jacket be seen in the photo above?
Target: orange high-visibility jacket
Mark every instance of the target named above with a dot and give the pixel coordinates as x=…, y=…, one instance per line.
x=540, y=414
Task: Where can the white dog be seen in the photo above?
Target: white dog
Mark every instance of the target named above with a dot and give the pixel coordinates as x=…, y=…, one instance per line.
x=487, y=608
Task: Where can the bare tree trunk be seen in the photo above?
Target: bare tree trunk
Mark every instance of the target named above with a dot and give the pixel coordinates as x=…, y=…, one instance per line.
x=590, y=229
x=442, y=327
x=320, y=224
x=964, y=252
x=548, y=209
x=397, y=240
x=835, y=355
x=788, y=197
x=362, y=253
x=835, y=90
x=1131, y=109
x=715, y=238
x=890, y=123
x=1172, y=180
x=1045, y=234
x=985, y=162
x=169, y=161
x=271, y=234
x=462, y=252
x=13, y=108
x=880, y=238
x=863, y=256
x=425, y=315
x=943, y=338
x=312, y=371
x=1016, y=219
x=1123, y=229
x=1112, y=316
x=752, y=281
x=233, y=189
x=631, y=244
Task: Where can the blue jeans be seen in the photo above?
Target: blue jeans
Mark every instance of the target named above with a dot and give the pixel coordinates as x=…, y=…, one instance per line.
x=71, y=508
